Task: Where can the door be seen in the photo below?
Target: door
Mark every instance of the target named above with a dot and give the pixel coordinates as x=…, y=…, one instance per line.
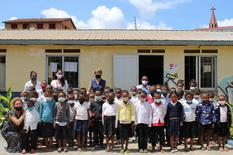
x=153, y=67
x=125, y=71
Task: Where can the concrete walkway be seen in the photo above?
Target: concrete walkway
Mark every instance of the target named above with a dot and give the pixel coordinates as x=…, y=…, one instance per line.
x=132, y=147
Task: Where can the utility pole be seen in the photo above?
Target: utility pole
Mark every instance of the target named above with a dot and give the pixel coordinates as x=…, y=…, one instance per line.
x=135, y=23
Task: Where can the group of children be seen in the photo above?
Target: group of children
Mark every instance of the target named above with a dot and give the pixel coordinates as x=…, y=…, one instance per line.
x=160, y=115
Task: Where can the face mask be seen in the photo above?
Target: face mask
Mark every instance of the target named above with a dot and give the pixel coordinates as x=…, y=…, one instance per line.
x=24, y=98
x=98, y=98
x=143, y=99
x=48, y=98
x=59, y=76
x=157, y=101
x=211, y=100
x=18, y=108
x=70, y=101
x=144, y=82
x=33, y=78
x=189, y=101
x=33, y=99
x=61, y=99
x=75, y=97
x=125, y=100
x=159, y=90
x=98, y=76
x=133, y=93
x=30, y=108
x=196, y=96
x=164, y=93
x=222, y=103
x=192, y=88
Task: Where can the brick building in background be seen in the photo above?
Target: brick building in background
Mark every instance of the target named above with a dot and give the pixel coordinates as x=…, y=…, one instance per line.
x=40, y=23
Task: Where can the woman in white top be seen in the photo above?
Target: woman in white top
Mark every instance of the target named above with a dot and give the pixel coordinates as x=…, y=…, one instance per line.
x=59, y=82
x=109, y=110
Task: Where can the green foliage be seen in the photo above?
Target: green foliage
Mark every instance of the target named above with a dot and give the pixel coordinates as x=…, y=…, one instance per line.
x=4, y=108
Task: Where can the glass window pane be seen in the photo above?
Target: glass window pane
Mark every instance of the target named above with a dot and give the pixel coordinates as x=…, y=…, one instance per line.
x=190, y=70
x=2, y=72
x=207, y=71
x=54, y=63
x=71, y=71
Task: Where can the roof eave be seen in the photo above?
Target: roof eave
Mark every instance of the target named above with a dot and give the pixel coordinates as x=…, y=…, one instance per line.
x=118, y=42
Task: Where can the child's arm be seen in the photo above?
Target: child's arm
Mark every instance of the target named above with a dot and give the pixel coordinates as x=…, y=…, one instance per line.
x=68, y=115
x=150, y=115
x=40, y=111
x=181, y=115
x=54, y=116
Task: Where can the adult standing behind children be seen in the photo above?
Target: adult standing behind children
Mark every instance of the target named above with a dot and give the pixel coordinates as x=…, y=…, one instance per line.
x=144, y=86
x=97, y=83
x=33, y=83
x=59, y=81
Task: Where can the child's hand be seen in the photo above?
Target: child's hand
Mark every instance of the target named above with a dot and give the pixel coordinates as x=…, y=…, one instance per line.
x=54, y=125
x=68, y=125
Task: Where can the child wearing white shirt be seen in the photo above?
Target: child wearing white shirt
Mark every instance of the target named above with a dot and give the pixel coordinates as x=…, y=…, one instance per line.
x=109, y=110
x=29, y=138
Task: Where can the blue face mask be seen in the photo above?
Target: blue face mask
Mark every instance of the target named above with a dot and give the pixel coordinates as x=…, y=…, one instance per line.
x=189, y=101
x=30, y=108
x=61, y=99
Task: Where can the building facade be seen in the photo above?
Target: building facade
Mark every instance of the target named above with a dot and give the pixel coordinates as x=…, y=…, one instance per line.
x=123, y=55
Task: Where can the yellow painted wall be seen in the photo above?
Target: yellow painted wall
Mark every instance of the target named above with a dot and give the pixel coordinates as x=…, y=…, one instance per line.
x=20, y=60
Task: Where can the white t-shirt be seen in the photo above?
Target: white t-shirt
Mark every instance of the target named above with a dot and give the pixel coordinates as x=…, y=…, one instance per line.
x=223, y=114
x=37, y=87
x=31, y=119
x=189, y=111
x=109, y=109
x=81, y=110
x=56, y=85
x=134, y=99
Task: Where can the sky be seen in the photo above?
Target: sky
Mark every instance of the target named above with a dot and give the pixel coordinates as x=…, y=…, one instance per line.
x=121, y=14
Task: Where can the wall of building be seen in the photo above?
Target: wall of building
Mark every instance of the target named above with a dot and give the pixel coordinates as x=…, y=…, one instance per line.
x=20, y=60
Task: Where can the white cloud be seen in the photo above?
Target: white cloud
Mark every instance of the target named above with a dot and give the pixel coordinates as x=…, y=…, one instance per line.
x=103, y=17
x=13, y=18
x=147, y=25
x=148, y=8
x=226, y=22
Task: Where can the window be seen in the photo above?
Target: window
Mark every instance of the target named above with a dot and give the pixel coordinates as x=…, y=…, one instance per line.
x=14, y=26
x=25, y=26
x=202, y=69
x=2, y=72
x=52, y=26
x=40, y=26
x=70, y=66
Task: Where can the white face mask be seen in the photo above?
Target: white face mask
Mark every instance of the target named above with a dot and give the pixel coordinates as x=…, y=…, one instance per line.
x=59, y=76
x=125, y=99
x=192, y=88
x=144, y=82
x=222, y=103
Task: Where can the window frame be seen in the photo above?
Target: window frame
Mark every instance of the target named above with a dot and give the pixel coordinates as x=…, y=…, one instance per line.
x=63, y=62
x=38, y=26
x=198, y=69
x=4, y=87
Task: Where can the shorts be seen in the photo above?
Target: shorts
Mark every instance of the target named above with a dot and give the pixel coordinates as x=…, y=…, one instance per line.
x=81, y=126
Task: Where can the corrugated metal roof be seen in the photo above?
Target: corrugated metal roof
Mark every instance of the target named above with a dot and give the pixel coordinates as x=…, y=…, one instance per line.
x=92, y=35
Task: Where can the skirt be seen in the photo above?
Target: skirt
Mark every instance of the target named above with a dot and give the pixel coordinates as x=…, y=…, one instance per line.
x=61, y=132
x=174, y=127
x=47, y=130
x=109, y=125
x=125, y=131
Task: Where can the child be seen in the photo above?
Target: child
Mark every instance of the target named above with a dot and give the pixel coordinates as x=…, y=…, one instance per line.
x=96, y=117
x=206, y=118
x=189, y=120
x=109, y=120
x=143, y=115
x=81, y=108
x=196, y=97
x=46, y=117
x=158, y=121
x=71, y=133
x=126, y=118
x=223, y=114
x=175, y=118
x=118, y=95
x=29, y=138
x=90, y=128
x=61, y=121
x=133, y=95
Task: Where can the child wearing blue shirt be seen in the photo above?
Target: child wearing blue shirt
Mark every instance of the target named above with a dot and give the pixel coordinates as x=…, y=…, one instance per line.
x=46, y=117
x=206, y=118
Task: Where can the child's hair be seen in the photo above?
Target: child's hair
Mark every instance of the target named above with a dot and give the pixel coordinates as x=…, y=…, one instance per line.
x=118, y=90
x=211, y=94
x=125, y=92
x=33, y=94
x=63, y=93
x=157, y=93
x=180, y=93
x=173, y=93
x=143, y=92
x=189, y=93
x=99, y=91
x=70, y=90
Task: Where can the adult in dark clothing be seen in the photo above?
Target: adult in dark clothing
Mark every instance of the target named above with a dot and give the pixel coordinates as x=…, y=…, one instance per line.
x=97, y=83
x=13, y=127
